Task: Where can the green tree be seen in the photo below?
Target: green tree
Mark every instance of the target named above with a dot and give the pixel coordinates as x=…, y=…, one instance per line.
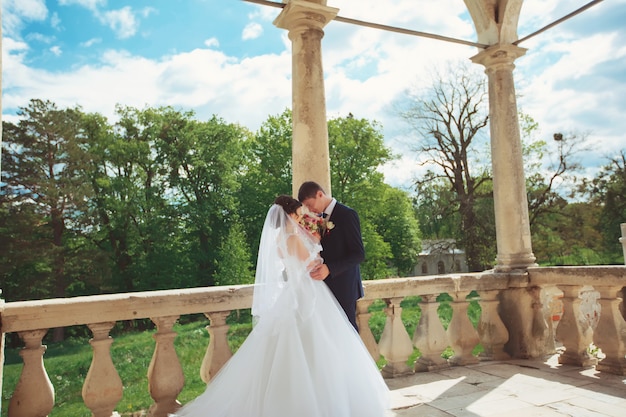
x=398, y=225
x=388, y=224
x=357, y=150
x=437, y=218
x=44, y=194
x=608, y=191
x=267, y=173
x=203, y=162
x=234, y=266
x=130, y=211
x=562, y=232
x=448, y=119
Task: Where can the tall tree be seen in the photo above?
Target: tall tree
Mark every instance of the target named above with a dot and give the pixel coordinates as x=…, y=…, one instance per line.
x=398, y=225
x=448, y=119
x=357, y=152
x=267, y=173
x=552, y=169
x=42, y=157
x=129, y=205
x=608, y=191
x=204, y=161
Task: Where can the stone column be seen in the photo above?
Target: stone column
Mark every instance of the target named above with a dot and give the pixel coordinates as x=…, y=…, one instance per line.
x=509, y=187
x=305, y=20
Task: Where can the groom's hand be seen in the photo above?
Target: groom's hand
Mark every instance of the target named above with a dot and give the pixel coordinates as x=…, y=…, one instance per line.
x=320, y=272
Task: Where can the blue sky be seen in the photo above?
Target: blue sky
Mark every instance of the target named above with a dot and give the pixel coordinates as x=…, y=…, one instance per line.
x=227, y=58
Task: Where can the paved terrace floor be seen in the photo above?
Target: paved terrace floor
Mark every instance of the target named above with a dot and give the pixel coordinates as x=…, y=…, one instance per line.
x=512, y=388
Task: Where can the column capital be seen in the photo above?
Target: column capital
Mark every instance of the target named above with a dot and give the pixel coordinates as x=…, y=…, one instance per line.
x=305, y=14
x=498, y=56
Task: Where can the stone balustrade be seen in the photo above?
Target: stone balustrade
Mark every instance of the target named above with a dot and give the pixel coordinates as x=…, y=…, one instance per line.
x=515, y=321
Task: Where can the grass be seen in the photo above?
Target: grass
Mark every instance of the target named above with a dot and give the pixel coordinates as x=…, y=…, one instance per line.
x=67, y=362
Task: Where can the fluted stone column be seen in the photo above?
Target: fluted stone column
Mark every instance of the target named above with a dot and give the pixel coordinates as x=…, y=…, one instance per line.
x=509, y=188
x=305, y=20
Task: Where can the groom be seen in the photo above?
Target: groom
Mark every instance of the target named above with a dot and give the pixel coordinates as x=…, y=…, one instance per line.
x=342, y=248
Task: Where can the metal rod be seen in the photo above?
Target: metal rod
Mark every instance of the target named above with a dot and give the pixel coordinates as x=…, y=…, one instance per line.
x=409, y=32
x=433, y=36
x=556, y=22
x=383, y=27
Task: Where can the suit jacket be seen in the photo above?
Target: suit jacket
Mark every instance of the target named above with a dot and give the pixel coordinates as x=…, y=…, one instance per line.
x=342, y=251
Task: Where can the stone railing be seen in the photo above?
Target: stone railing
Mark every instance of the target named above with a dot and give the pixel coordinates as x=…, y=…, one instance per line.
x=514, y=321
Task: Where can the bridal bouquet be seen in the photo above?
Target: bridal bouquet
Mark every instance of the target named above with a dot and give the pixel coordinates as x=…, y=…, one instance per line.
x=316, y=225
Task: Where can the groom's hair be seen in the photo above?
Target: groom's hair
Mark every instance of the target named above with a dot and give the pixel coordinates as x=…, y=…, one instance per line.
x=309, y=189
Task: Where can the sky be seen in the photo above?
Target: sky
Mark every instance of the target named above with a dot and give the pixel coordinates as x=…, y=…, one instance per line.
x=226, y=58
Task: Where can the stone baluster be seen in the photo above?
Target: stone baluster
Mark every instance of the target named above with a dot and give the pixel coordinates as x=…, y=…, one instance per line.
x=363, y=320
x=395, y=344
x=610, y=334
x=34, y=394
x=165, y=374
x=571, y=332
x=461, y=334
x=552, y=303
x=218, y=352
x=492, y=332
x=539, y=325
x=103, y=388
x=430, y=336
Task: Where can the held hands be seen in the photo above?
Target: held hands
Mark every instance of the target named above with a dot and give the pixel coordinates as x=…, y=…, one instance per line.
x=320, y=272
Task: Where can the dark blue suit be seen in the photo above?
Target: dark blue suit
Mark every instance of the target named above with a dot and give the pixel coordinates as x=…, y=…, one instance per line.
x=343, y=252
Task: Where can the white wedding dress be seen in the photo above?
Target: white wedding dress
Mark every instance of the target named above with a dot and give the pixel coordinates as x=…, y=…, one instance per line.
x=303, y=358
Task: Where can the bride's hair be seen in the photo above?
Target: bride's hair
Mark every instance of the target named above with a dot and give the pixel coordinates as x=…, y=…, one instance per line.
x=288, y=203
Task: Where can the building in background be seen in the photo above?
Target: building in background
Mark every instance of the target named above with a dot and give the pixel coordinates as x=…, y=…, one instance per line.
x=440, y=256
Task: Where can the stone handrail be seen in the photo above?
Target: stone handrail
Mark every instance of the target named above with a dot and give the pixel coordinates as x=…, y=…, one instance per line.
x=514, y=321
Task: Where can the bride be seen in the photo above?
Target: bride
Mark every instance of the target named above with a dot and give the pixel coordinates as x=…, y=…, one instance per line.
x=303, y=358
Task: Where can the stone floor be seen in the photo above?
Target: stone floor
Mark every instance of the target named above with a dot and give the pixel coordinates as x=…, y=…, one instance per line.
x=510, y=388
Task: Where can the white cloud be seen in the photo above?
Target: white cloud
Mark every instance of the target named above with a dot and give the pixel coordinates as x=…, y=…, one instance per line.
x=55, y=21
x=92, y=5
x=27, y=9
x=575, y=91
x=56, y=50
x=252, y=31
x=212, y=43
x=39, y=37
x=91, y=42
x=206, y=80
x=15, y=12
x=121, y=21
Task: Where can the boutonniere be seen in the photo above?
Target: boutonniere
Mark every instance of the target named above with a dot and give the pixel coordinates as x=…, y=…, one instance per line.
x=328, y=226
